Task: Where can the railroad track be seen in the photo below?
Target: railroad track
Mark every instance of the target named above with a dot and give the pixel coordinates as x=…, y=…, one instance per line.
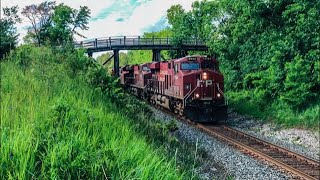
x=297, y=164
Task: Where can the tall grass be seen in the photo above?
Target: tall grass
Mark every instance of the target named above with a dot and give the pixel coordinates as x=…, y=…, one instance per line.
x=55, y=126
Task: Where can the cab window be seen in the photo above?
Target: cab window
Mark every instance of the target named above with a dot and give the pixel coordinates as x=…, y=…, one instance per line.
x=190, y=66
x=145, y=68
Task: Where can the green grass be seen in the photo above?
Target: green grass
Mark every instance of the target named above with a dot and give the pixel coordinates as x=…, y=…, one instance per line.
x=279, y=113
x=56, y=126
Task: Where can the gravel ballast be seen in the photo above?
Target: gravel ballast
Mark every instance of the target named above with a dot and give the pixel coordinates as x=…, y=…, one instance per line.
x=301, y=141
x=221, y=160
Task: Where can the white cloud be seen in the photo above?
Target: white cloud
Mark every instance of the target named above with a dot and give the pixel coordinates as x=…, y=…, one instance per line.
x=152, y=12
x=142, y=16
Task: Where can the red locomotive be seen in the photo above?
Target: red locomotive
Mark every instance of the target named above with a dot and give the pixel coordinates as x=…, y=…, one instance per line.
x=191, y=86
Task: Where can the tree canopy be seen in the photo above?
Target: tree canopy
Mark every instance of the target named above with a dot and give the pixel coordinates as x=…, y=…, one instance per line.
x=55, y=24
x=8, y=32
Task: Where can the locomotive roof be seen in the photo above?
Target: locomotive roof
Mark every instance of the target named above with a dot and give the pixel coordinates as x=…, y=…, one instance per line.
x=184, y=58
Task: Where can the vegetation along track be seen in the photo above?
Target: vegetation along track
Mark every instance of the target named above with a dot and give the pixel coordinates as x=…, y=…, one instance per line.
x=297, y=164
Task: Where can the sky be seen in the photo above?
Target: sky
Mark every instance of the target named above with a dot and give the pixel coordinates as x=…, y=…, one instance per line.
x=113, y=17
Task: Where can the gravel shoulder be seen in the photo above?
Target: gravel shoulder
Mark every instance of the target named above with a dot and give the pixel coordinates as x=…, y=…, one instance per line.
x=301, y=141
x=220, y=161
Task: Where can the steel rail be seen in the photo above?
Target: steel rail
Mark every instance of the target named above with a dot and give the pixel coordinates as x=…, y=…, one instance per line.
x=303, y=158
x=260, y=154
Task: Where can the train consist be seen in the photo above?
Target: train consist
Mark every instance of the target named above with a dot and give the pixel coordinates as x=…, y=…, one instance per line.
x=191, y=86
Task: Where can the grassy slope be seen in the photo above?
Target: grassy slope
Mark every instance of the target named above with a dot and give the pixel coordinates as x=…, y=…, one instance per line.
x=54, y=125
x=245, y=103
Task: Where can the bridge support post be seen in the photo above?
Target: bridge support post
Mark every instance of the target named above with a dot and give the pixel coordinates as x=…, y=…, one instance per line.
x=116, y=63
x=156, y=56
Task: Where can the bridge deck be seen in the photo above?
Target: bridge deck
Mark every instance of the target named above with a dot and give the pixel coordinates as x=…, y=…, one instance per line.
x=138, y=43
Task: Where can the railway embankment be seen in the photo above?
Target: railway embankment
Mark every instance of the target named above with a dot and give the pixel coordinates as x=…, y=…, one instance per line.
x=63, y=117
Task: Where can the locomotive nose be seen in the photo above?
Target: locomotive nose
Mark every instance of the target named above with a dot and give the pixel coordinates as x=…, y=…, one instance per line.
x=207, y=83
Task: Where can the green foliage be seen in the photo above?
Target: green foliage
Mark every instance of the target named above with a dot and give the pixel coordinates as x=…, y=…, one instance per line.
x=21, y=57
x=196, y=23
x=65, y=20
x=298, y=87
x=55, y=24
x=270, y=49
x=40, y=19
x=54, y=125
x=8, y=34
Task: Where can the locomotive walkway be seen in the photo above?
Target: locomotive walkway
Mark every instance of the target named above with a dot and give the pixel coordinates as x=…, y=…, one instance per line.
x=155, y=44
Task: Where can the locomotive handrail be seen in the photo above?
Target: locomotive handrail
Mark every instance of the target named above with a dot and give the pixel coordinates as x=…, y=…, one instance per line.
x=188, y=95
x=146, y=85
x=220, y=91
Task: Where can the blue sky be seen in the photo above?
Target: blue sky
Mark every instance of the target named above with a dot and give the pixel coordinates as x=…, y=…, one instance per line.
x=114, y=17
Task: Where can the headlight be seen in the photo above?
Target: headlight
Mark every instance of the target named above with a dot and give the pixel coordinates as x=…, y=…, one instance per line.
x=204, y=76
x=218, y=95
x=197, y=95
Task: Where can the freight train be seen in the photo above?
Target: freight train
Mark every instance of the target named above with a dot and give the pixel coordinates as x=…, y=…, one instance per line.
x=191, y=86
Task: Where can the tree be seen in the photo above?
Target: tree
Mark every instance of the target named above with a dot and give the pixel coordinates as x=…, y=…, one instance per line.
x=203, y=14
x=66, y=21
x=40, y=18
x=55, y=24
x=174, y=14
x=197, y=23
x=8, y=34
x=270, y=48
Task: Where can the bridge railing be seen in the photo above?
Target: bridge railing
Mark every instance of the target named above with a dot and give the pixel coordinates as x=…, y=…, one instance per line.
x=134, y=41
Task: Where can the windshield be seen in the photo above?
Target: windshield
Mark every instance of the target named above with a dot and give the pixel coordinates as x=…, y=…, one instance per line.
x=190, y=66
x=145, y=68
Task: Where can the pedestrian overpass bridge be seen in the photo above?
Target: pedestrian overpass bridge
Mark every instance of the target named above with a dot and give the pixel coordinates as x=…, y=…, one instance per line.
x=155, y=44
